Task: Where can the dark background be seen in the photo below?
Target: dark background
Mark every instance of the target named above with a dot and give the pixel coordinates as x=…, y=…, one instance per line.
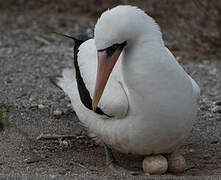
x=191, y=28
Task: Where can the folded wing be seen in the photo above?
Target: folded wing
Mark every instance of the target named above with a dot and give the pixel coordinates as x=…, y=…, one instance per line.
x=114, y=101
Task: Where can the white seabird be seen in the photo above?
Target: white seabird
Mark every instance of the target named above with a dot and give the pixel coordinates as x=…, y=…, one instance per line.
x=147, y=102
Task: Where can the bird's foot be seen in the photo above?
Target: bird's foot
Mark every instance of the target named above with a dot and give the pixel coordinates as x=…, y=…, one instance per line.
x=112, y=164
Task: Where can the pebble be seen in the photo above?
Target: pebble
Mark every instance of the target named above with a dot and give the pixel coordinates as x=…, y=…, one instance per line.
x=63, y=143
x=8, y=81
x=57, y=113
x=69, y=105
x=216, y=109
x=218, y=103
x=191, y=150
x=204, y=107
x=34, y=104
x=33, y=160
x=214, y=142
x=178, y=58
x=206, y=156
x=201, y=65
x=213, y=71
x=53, y=176
x=205, y=62
x=218, y=118
x=41, y=106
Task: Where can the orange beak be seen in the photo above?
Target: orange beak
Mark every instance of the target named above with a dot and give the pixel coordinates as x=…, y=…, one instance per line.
x=104, y=69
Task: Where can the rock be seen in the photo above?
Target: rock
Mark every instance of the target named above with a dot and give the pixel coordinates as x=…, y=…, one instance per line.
x=214, y=142
x=206, y=156
x=201, y=66
x=176, y=163
x=218, y=118
x=178, y=58
x=63, y=143
x=206, y=62
x=155, y=164
x=34, y=105
x=216, y=109
x=191, y=150
x=33, y=159
x=204, y=107
x=218, y=103
x=57, y=113
x=41, y=106
x=213, y=71
x=8, y=81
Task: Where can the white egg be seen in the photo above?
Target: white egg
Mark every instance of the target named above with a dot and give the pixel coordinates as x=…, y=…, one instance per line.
x=176, y=163
x=155, y=164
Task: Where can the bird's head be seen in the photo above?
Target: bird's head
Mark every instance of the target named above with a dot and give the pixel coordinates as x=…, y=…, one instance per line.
x=114, y=31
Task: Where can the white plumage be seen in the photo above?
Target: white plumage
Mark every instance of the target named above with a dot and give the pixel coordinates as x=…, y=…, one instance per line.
x=153, y=101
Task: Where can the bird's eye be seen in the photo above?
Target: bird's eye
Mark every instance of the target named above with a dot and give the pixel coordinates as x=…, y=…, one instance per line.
x=114, y=46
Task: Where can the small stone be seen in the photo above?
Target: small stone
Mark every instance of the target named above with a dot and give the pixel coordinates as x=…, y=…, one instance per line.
x=205, y=62
x=216, y=109
x=213, y=71
x=191, y=150
x=178, y=58
x=206, y=156
x=155, y=164
x=69, y=105
x=26, y=160
x=176, y=163
x=32, y=160
x=41, y=106
x=218, y=103
x=57, y=113
x=204, y=107
x=34, y=105
x=52, y=176
x=218, y=118
x=201, y=66
x=63, y=143
x=8, y=81
x=213, y=92
x=214, y=142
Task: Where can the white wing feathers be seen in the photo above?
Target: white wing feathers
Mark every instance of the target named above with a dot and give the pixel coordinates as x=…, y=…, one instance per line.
x=68, y=83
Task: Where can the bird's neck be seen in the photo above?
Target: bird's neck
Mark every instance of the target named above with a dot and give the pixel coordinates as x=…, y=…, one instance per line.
x=138, y=61
x=149, y=33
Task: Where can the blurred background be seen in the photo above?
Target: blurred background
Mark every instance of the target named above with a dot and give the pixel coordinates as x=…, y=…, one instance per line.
x=30, y=54
x=191, y=28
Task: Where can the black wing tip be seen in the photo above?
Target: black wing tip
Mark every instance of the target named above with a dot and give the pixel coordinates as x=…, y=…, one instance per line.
x=54, y=80
x=85, y=99
x=78, y=41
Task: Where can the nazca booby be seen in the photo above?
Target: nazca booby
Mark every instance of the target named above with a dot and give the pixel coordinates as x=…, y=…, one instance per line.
x=143, y=101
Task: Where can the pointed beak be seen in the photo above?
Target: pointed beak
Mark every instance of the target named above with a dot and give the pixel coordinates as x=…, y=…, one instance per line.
x=104, y=69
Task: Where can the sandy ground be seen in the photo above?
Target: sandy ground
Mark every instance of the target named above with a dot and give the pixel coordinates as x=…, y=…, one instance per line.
x=27, y=59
